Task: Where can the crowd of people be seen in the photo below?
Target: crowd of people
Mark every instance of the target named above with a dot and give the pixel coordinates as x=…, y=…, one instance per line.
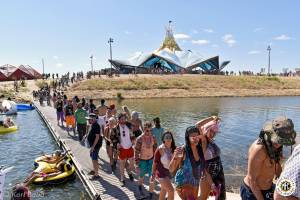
x=147, y=149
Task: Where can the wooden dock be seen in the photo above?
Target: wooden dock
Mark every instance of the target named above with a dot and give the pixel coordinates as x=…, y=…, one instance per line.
x=108, y=186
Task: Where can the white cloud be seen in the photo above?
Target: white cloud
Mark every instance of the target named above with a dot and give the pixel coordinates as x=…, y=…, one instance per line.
x=253, y=52
x=229, y=40
x=200, y=42
x=209, y=30
x=282, y=37
x=59, y=65
x=258, y=30
x=55, y=57
x=181, y=36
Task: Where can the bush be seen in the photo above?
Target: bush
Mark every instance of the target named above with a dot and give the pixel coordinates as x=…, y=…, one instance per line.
x=119, y=96
x=41, y=83
x=273, y=78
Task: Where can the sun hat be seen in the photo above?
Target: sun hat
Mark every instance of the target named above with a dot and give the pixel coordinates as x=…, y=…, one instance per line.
x=280, y=131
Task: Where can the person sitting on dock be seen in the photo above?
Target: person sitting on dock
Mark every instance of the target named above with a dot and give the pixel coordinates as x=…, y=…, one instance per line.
x=122, y=139
x=264, y=159
x=143, y=154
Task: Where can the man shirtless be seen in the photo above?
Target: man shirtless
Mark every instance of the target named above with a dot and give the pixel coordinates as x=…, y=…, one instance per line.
x=144, y=152
x=264, y=159
x=102, y=108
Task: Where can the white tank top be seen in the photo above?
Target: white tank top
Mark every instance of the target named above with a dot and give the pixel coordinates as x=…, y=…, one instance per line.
x=125, y=137
x=166, y=158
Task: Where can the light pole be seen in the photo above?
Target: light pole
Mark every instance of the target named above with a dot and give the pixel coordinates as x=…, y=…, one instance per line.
x=91, y=57
x=43, y=65
x=110, y=41
x=269, y=64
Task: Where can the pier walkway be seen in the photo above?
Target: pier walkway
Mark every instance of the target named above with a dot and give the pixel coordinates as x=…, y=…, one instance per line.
x=108, y=186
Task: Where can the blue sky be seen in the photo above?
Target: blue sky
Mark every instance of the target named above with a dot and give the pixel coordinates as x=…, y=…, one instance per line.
x=65, y=33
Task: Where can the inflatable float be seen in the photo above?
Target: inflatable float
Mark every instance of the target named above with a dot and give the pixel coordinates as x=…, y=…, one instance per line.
x=4, y=130
x=10, y=106
x=22, y=107
x=47, y=168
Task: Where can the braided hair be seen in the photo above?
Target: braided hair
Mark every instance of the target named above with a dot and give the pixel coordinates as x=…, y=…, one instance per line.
x=273, y=153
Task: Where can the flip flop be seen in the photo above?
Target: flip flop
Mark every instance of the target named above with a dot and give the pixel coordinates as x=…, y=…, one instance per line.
x=92, y=172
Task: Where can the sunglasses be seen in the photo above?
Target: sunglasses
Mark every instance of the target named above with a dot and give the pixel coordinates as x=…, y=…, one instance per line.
x=123, y=133
x=168, y=137
x=147, y=130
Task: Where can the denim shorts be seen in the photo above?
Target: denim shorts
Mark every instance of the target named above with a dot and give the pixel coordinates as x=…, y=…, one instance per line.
x=247, y=194
x=94, y=155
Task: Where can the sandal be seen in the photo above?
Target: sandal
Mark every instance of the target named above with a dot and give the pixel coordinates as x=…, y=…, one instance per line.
x=92, y=172
x=94, y=177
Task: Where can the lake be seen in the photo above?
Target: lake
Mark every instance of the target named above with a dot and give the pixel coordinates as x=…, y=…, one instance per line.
x=242, y=120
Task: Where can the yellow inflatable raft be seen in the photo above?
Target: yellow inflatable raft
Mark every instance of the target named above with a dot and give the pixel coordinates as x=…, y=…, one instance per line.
x=4, y=130
x=47, y=169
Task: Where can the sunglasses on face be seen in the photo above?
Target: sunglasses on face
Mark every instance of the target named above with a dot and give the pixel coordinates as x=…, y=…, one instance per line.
x=147, y=130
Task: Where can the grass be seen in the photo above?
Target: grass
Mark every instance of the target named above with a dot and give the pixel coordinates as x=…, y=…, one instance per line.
x=189, y=82
x=41, y=83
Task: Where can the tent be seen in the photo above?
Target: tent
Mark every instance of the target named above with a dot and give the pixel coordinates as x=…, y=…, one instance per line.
x=10, y=73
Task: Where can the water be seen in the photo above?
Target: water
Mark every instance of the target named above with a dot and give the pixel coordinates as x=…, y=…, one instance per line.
x=242, y=120
x=19, y=149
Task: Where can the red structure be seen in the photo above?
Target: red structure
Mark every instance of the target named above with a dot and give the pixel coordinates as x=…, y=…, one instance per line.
x=2, y=77
x=11, y=73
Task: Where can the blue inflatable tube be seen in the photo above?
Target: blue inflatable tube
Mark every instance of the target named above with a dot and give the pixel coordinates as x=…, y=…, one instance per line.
x=21, y=107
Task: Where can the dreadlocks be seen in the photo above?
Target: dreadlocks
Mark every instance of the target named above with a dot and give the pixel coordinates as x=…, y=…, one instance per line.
x=265, y=139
